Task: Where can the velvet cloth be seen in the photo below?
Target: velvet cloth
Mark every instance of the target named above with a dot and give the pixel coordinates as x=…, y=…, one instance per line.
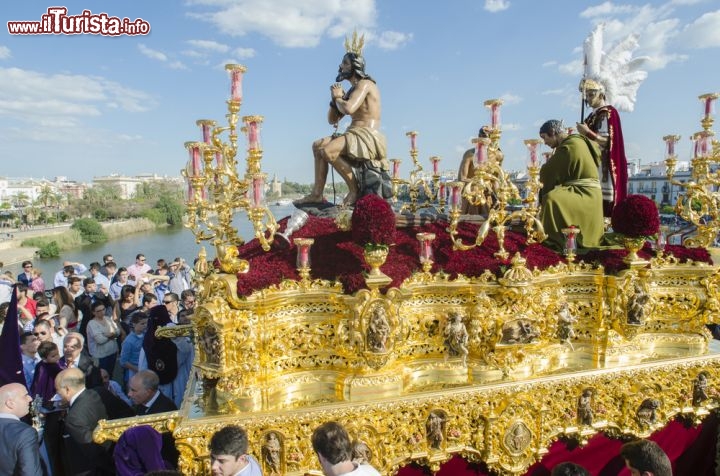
x=138, y=451
x=690, y=449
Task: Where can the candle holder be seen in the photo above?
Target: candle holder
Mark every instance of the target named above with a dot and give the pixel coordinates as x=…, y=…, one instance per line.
x=419, y=182
x=697, y=204
x=303, y=261
x=491, y=187
x=216, y=189
x=570, y=248
x=426, y=252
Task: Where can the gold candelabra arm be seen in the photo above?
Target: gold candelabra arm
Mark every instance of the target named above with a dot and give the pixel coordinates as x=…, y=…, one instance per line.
x=264, y=232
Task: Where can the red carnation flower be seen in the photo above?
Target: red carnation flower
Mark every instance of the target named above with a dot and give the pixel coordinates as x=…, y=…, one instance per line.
x=373, y=221
x=636, y=216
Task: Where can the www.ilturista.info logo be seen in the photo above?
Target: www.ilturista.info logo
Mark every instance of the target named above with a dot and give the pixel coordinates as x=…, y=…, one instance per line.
x=57, y=22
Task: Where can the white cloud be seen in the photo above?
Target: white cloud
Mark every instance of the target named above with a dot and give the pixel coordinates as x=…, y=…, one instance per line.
x=509, y=98
x=496, y=5
x=244, y=53
x=209, y=45
x=703, y=32
x=606, y=9
x=392, y=40
x=60, y=104
x=160, y=56
x=5, y=52
x=152, y=54
x=288, y=23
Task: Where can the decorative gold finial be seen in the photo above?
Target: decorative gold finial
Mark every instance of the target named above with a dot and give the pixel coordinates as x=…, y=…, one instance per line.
x=357, y=44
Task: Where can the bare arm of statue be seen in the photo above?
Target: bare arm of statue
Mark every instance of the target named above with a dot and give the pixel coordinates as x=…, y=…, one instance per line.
x=356, y=99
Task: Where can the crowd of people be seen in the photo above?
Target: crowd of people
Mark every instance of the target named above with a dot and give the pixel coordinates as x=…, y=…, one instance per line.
x=89, y=352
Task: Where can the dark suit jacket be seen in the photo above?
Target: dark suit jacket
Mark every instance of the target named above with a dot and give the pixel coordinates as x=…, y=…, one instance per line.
x=87, y=365
x=81, y=456
x=19, y=449
x=161, y=404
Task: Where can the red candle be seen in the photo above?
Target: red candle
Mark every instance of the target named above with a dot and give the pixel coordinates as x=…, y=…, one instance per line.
x=436, y=166
x=396, y=168
x=671, y=148
x=426, y=250
x=236, y=85
x=708, y=106
x=696, y=149
x=441, y=194
x=533, y=156
x=413, y=143
x=218, y=159
x=571, y=241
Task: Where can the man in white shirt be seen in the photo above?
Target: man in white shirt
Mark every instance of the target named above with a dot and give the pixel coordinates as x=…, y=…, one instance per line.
x=228, y=453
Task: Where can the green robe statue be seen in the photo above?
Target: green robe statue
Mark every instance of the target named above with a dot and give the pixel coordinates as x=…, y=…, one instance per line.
x=571, y=193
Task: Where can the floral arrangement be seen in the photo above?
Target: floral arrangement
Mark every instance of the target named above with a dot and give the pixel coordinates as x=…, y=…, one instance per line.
x=373, y=222
x=635, y=217
x=339, y=258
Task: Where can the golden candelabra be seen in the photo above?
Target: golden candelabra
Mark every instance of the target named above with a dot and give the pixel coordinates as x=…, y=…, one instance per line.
x=491, y=187
x=434, y=194
x=216, y=190
x=700, y=203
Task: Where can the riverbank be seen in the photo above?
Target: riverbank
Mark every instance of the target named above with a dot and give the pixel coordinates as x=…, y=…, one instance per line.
x=12, y=252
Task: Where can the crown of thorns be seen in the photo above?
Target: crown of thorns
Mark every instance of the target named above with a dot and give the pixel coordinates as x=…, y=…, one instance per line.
x=357, y=44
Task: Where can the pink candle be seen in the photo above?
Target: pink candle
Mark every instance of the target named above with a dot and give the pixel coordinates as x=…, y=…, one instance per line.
x=413, y=142
x=495, y=116
x=191, y=194
x=441, y=194
x=426, y=250
x=206, y=133
x=195, y=157
x=696, y=146
x=671, y=148
x=571, y=241
x=455, y=197
x=304, y=256
x=396, y=168
x=253, y=135
x=533, y=156
x=236, y=85
x=481, y=152
x=704, y=146
x=219, y=159
x=436, y=166
x=258, y=191
x=708, y=106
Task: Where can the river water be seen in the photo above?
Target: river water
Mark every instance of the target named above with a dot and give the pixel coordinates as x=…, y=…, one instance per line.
x=165, y=243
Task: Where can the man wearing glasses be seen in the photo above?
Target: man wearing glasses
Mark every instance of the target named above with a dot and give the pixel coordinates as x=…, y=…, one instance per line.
x=135, y=271
x=26, y=276
x=188, y=300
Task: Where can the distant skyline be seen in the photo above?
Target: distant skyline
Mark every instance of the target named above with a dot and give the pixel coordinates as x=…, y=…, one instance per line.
x=88, y=105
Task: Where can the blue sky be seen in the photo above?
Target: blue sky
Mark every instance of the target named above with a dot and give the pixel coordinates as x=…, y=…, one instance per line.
x=88, y=105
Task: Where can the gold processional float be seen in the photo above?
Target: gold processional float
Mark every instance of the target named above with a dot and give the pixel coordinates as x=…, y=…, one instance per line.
x=535, y=355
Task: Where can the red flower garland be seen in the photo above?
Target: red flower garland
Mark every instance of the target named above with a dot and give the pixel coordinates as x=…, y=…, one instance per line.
x=373, y=221
x=636, y=216
x=337, y=257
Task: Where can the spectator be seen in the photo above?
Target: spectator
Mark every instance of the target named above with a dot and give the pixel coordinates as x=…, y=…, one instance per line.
x=229, y=453
x=38, y=283
x=26, y=276
x=645, y=458
x=28, y=351
x=137, y=269
x=46, y=370
x=101, y=281
x=44, y=330
x=69, y=269
x=144, y=393
x=65, y=305
x=19, y=451
x=117, y=285
x=102, y=338
x=132, y=345
x=75, y=286
x=569, y=469
x=334, y=451
x=107, y=259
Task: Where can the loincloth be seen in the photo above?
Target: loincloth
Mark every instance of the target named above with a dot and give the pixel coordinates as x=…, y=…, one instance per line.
x=365, y=144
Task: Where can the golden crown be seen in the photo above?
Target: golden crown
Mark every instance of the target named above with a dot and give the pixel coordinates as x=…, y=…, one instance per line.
x=357, y=44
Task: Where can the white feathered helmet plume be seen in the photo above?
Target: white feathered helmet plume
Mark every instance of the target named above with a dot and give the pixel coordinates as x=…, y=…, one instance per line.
x=615, y=73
